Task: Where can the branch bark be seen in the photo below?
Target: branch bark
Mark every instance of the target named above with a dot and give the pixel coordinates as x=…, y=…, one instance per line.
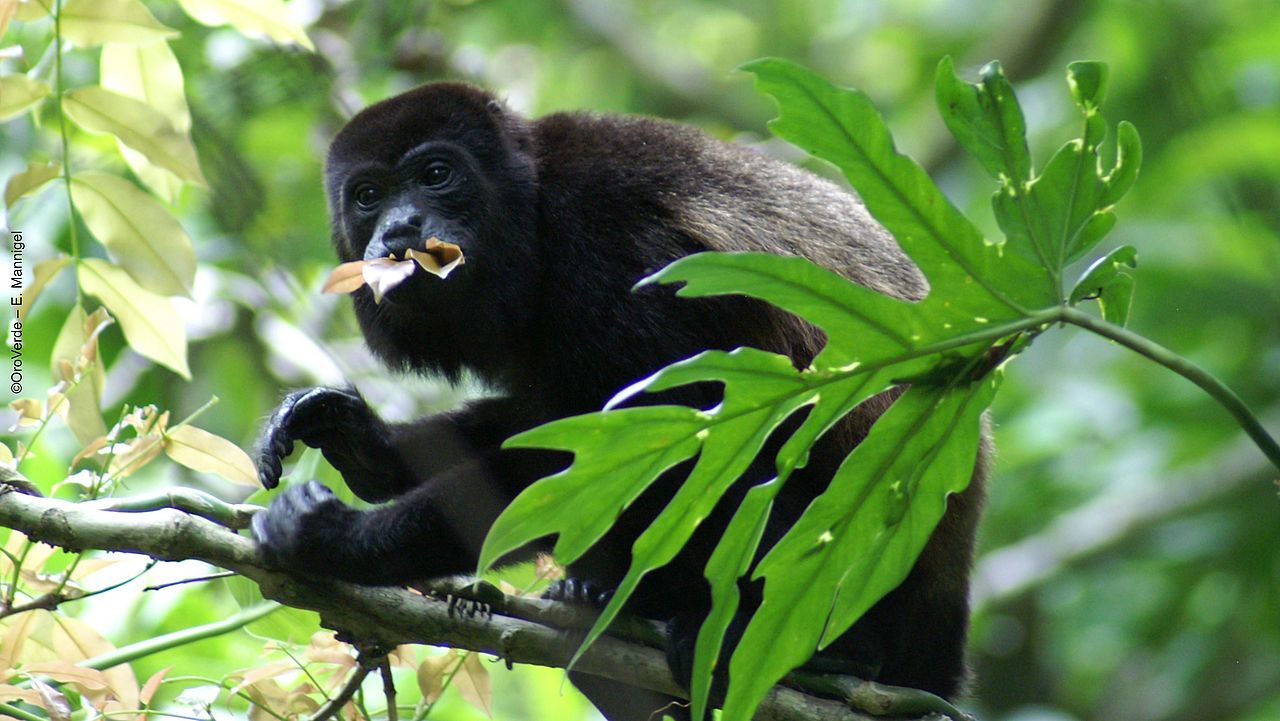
x=374, y=615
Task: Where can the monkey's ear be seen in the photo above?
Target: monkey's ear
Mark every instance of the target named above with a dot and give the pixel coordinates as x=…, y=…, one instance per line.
x=495, y=107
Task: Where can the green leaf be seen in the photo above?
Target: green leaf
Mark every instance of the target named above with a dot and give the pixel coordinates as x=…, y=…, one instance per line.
x=861, y=537
x=863, y=326
x=267, y=17
x=1108, y=279
x=1055, y=218
x=1128, y=162
x=24, y=183
x=761, y=390
x=606, y=445
x=138, y=126
x=842, y=127
x=851, y=543
x=151, y=324
x=149, y=73
x=1088, y=83
x=986, y=120
x=140, y=234
x=18, y=94
x=730, y=561
x=88, y=23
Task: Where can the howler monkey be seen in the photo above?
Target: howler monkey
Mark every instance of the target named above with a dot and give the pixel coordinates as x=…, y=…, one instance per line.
x=558, y=218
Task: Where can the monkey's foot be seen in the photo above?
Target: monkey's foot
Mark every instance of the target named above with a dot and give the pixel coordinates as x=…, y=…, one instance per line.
x=577, y=591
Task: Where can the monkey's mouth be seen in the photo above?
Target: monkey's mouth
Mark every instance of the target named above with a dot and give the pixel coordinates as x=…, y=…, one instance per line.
x=383, y=274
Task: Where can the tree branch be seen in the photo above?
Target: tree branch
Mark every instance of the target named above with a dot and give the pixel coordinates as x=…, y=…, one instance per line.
x=381, y=616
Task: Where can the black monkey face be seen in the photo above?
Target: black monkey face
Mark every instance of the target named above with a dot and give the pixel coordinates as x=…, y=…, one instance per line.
x=435, y=190
x=446, y=161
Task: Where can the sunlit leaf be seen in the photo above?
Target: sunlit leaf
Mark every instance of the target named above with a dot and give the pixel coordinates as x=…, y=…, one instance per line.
x=139, y=233
x=44, y=273
x=19, y=93
x=88, y=23
x=30, y=411
x=129, y=458
x=138, y=126
x=203, y=451
x=149, y=73
x=84, y=417
x=28, y=181
x=33, y=10
x=268, y=17
x=151, y=323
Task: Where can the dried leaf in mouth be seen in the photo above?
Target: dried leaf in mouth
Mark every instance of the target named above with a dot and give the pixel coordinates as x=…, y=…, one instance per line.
x=383, y=274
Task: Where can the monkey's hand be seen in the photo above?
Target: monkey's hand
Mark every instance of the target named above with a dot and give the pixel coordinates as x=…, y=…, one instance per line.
x=303, y=529
x=349, y=434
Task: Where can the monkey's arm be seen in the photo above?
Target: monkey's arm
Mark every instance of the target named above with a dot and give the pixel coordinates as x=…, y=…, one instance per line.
x=435, y=529
x=378, y=460
x=448, y=474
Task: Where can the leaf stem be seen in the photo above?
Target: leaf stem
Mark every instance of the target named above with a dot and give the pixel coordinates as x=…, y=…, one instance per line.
x=133, y=652
x=1185, y=368
x=66, y=145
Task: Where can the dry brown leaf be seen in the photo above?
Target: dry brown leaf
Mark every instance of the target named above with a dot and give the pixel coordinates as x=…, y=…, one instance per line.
x=30, y=412
x=382, y=274
x=9, y=692
x=151, y=686
x=86, y=678
x=75, y=640
x=431, y=673
x=136, y=454
x=346, y=278
x=474, y=684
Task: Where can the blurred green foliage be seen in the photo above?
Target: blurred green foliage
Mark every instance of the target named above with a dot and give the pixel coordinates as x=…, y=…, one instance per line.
x=1128, y=566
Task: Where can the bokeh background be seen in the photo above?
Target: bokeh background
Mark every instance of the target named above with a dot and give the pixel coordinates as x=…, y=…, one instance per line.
x=1130, y=555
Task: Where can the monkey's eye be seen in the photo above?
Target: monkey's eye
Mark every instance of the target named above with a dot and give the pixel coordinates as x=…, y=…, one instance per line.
x=437, y=175
x=368, y=195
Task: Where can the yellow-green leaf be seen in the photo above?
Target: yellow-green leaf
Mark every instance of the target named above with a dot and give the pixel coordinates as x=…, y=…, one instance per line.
x=30, y=11
x=28, y=181
x=202, y=451
x=84, y=416
x=141, y=235
x=150, y=322
x=45, y=271
x=87, y=23
x=268, y=17
x=18, y=93
x=137, y=125
x=151, y=74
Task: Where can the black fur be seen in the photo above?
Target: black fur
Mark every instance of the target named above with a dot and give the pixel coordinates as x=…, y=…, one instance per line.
x=558, y=218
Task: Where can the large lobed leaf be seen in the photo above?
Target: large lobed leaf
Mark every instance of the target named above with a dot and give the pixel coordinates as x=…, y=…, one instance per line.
x=860, y=538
